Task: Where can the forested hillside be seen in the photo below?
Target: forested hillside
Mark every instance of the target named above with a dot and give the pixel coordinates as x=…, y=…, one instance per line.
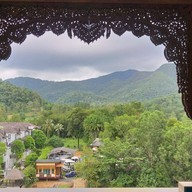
x=171, y=105
x=18, y=101
x=144, y=144
x=118, y=87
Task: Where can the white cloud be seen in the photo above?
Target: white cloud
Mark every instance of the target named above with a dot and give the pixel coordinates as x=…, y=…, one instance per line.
x=59, y=58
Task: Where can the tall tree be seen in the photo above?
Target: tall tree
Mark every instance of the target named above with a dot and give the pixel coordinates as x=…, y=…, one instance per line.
x=121, y=126
x=93, y=124
x=29, y=176
x=116, y=164
x=55, y=141
x=48, y=127
x=58, y=128
x=18, y=148
x=149, y=139
x=2, y=152
x=75, y=123
x=29, y=142
x=40, y=138
x=150, y=133
x=30, y=159
x=176, y=151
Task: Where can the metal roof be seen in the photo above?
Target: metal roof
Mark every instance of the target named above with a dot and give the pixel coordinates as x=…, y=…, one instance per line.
x=48, y=161
x=14, y=127
x=62, y=149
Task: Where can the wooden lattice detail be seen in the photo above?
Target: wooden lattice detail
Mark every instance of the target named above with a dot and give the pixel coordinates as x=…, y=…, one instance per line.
x=168, y=26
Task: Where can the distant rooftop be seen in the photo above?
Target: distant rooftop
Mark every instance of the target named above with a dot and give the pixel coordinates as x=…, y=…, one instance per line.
x=96, y=143
x=12, y=127
x=62, y=149
x=48, y=161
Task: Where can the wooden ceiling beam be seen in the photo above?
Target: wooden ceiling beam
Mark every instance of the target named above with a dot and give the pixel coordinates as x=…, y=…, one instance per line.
x=149, y=2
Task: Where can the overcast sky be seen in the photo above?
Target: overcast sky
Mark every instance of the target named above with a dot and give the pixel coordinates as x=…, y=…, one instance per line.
x=60, y=58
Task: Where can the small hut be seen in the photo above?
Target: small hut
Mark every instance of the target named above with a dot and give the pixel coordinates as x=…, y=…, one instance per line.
x=96, y=144
x=14, y=177
x=61, y=152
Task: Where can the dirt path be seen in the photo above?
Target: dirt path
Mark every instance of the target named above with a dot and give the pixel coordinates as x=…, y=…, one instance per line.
x=52, y=184
x=75, y=183
x=79, y=183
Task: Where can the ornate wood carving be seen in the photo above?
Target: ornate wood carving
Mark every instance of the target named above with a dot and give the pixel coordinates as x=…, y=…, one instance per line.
x=168, y=26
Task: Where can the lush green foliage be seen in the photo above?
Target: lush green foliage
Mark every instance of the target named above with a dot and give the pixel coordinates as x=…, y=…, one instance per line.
x=29, y=142
x=19, y=104
x=93, y=124
x=18, y=147
x=40, y=138
x=30, y=159
x=118, y=87
x=144, y=144
x=72, y=143
x=29, y=176
x=48, y=127
x=75, y=123
x=16, y=102
x=2, y=152
x=55, y=141
x=140, y=148
x=171, y=105
x=44, y=152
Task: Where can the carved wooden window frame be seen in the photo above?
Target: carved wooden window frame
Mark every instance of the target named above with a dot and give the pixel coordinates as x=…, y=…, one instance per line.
x=167, y=25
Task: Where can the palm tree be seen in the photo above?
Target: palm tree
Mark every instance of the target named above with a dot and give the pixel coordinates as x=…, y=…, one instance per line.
x=58, y=128
x=48, y=127
x=93, y=124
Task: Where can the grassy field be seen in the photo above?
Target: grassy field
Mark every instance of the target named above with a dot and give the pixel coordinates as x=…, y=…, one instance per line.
x=72, y=143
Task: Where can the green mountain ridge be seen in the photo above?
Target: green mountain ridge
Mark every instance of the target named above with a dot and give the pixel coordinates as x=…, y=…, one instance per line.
x=17, y=98
x=117, y=87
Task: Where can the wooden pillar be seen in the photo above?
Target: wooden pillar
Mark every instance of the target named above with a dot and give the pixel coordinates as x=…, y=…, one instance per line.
x=187, y=96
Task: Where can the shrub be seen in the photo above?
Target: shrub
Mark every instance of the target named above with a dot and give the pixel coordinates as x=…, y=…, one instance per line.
x=40, y=138
x=29, y=176
x=30, y=159
x=17, y=147
x=29, y=142
x=45, y=152
x=55, y=141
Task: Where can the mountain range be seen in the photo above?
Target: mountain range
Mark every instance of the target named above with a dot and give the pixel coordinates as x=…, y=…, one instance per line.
x=18, y=99
x=117, y=87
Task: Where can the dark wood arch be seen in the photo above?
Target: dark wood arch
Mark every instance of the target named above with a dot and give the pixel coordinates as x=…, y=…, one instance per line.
x=165, y=22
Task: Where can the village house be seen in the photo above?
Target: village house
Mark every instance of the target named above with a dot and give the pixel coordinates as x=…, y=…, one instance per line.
x=66, y=156
x=49, y=169
x=61, y=153
x=14, y=177
x=163, y=27
x=96, y=144
x=10, y=131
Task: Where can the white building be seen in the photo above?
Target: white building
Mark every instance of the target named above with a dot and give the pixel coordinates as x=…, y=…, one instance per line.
x=11, y=131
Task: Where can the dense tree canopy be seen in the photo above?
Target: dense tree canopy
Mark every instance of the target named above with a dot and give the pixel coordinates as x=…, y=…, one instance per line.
x=18, y=147
x=55, y=141
x=93, y=124
x=40, y=138
x=29, y=176
x=30, y=159
x=29, y=142
x=3, y=148
x=143, y=144
x=75, y=123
